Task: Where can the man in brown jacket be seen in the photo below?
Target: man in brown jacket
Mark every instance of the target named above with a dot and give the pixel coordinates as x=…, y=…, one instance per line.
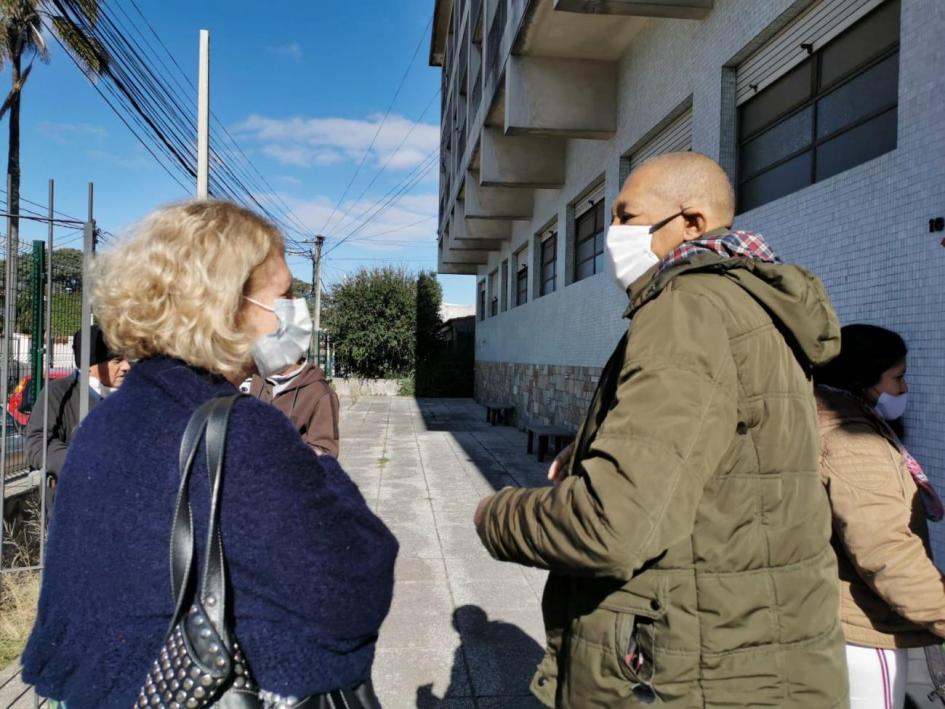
x=303, y=394
x=689, y=541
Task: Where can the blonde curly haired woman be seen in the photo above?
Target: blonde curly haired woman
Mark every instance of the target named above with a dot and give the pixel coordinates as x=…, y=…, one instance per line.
x=200, y=296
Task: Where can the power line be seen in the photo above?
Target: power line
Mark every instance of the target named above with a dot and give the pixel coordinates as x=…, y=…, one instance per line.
x=160, y=118
x=367, y=152
x=403, y=140
x=213, y=115
x=418, y=174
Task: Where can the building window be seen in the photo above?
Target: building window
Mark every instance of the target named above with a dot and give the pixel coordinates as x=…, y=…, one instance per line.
x=504, y=302
x=834, y=111
x=589, y=236
x=493, y=294
x=549, y=263
x=521, y=285
x=520, y=265
x=482, y=300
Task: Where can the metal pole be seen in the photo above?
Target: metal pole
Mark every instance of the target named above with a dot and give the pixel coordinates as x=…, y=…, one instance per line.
x=8, y=316
x=203, y=117
x=49, y=353
x=317, y=286
x=319, y=242
x=85, y=355
x=37, y=276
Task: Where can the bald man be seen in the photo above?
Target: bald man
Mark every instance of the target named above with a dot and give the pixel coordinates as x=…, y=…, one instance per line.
x=688, y=535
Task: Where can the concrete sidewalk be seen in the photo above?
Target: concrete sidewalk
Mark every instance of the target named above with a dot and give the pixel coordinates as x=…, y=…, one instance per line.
x=464, y=630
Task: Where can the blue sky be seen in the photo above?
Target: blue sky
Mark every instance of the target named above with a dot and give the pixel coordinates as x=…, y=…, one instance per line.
x=303, y=91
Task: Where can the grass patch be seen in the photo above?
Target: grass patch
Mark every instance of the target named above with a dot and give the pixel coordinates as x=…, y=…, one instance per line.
x=407, y=386
x=19, y=594
x=382, y=461
x=19, y=590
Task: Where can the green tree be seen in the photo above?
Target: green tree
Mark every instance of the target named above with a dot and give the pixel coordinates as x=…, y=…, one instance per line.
x=66, y=292
x=429, y=300
x=67, y=269
x=371, y=319
x=301, y=289
x=21, y=37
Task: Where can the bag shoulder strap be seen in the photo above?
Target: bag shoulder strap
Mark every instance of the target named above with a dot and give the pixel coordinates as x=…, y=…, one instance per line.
x=213, y=414
x=213, y=585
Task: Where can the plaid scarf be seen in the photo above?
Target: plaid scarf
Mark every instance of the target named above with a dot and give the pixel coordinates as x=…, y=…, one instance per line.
x=934, y=509
x=742, y=244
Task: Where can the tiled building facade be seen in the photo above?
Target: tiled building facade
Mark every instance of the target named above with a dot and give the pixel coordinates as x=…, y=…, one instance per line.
x=826, y=114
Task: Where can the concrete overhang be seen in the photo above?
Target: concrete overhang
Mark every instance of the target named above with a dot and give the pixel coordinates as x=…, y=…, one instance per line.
x=467, y=256
x=495, y=202
x=521, y=160
x=440, y=31
x=500, y=229
x=458, y=269
x=571, y=98
x=675, y=9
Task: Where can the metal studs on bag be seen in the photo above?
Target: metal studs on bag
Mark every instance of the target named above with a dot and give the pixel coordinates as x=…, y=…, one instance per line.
x=192, y=666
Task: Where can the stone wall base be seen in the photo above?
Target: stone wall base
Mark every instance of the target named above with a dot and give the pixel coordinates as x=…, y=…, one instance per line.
x=541, y=393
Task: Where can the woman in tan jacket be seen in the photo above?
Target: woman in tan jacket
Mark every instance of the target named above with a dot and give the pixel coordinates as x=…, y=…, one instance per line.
x=892, y=594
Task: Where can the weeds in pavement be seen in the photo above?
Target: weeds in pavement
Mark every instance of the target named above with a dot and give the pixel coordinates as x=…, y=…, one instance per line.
x=19, y=594
x=19, y=590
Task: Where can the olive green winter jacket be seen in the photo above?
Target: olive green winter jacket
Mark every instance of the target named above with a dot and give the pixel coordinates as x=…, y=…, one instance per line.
x=690, y=544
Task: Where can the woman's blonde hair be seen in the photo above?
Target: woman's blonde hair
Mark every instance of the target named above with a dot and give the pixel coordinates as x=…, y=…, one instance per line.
x=176, y=286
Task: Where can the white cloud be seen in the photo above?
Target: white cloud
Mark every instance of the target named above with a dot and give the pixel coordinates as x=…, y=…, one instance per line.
x=409, y=221
x=72, y=132
x=289, y=180
x=305, y=142
x=293, y=51
x=137, y=160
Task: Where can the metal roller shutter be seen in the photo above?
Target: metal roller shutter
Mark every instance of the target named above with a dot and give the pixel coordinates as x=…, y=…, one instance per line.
x=588, y=199
x=675, y=137
x=816, y=26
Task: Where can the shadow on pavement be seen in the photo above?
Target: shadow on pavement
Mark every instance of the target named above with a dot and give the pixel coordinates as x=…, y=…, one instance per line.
x=496, y=452
x=499, y=657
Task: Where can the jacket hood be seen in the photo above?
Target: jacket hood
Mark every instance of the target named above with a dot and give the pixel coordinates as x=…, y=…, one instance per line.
x=794, y=298
x=310, y=374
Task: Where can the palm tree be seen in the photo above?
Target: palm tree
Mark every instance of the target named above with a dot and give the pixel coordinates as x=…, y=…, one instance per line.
x=21, y=36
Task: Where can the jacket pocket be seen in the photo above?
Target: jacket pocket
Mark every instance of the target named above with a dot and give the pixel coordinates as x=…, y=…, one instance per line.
x=634, y=638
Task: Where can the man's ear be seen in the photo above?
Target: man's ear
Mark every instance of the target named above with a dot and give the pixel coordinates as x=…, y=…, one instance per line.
x=695, y=224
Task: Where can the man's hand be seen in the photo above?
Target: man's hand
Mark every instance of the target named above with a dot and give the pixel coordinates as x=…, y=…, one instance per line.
x=481, y=510
x=559, y=465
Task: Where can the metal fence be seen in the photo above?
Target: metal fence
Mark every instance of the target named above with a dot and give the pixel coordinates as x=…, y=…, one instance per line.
x=41, y=309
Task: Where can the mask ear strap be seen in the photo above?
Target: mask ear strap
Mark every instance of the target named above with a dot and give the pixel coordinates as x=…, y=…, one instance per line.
x=659, y=225
x=256, y=302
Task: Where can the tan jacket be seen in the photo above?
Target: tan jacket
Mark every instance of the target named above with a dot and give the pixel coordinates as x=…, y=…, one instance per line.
x=310, y=403
x=891, y=594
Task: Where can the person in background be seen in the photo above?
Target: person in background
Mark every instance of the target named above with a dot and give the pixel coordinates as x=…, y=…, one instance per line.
x=106, y=373
x=892, y=594
x=302, y=393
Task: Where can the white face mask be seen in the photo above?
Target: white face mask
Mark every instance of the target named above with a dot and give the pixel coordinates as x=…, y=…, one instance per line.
x=891, y=407
x=284, y=347
x=628, y=252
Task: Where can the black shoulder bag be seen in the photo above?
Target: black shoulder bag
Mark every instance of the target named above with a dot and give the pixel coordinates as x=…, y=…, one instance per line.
x=200, y=664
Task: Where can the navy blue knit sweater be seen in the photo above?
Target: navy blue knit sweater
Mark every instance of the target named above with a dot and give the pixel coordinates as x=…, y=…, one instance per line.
x=311, y=567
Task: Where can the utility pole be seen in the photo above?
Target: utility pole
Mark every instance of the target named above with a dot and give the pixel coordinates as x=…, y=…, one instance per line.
x=203, y=117
x=85, y=350
x=317, y=296
x=317, y=280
